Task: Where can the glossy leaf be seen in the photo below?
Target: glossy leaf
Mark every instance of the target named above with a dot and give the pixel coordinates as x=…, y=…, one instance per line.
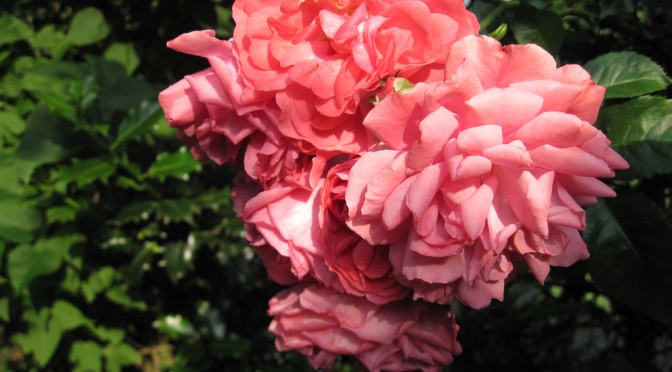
x=125, y=54
x=40, y=340
x=13, y=29
x=176, y=210
x=641, y=131
x=60, y=105
x=52, y=39
x=179, y=259
x=126, y=94
x=4, y=309
x=620, y=234
x=66, y=316
x=47, y=138
x=119, y=295
x=178, y=165
x=139, y=120
x=27, y=262
x=533, y=26
x=60, y=214
x=88, y=26
x=87, y=356
x=11, y=125
x=18, y=220
x=120, y=355
x=98, y=282
x=85, y=172
x=627, y=74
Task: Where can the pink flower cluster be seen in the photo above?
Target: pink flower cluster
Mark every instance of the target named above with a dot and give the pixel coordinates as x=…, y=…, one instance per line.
x=391, y=158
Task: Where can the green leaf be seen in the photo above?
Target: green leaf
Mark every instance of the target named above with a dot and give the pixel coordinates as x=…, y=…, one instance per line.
x=179, y=259
x=177, y=165
x=40, y=340
x=125, y=54
x=176, y=210
x=224, y=20
x=533, y=26
x=47, y=138
x=85, y=172
x=137, y=211
x=133, y=271
x=51, y=39
x=60, y=105
x=139, y=120
x=86, y=356
x=641, y=131
x=9, y=177
x=11, y=125
x=61, y=214
x=13, y=29
x=126, y=94
x=98, y=282
x=627, y=74
x=621, y=258
x=119, y=355
x=18, y=221
x=66, y=316
x=616, y=8
x=27, y=262
x=54, y=77
x=10, y=86
x=112, y=335
x=106, y=73
x=87, y=27
x=119, y=295
x=71, y=282
x=4, y=55
x=4, y=309
x=648, y=231
x=213, y=199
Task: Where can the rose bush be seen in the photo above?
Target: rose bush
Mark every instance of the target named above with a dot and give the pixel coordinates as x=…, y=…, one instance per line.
x=380, y=160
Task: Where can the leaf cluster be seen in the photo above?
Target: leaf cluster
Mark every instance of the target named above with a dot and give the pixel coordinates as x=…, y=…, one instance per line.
x=117, y=249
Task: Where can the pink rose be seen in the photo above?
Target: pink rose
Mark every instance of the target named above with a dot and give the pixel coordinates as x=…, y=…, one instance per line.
x=215, y=112
x=325, y=59
x=505, y=146
x=286, y=218
x=211, y=110
x=363, y=269
x=278, y=267
x=322, y=324
x=277, y=163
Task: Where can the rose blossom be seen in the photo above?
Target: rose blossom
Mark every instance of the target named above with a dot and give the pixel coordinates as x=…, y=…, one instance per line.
x=286, y=218
x=322, y=324
x=487, y=168
x=278, y=267
x=211, y=110
x=363, y=269
x=307, y=234
x=214, y=112
x=323, y=59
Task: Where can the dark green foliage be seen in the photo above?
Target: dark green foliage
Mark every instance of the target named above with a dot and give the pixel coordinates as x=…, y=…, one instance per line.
x=119, y=251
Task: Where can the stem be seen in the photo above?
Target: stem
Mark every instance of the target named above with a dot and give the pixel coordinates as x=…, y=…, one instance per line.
x=495, y=13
